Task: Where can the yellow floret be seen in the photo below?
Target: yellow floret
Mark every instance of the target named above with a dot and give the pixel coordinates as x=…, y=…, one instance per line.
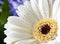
x=53, y=31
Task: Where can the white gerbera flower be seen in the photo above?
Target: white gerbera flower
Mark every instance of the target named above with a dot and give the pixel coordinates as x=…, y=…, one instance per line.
x=39, y=23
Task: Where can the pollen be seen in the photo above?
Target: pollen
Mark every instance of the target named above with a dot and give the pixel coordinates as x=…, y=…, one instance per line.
x=45, y=30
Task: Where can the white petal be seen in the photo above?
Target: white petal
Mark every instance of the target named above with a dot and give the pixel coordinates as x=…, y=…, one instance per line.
x=55, y=8
x=58, y=39
x=25, y=12
x=30, y=41
x=53, y=42
x=51, y=2
x=44, y=8
x=58, y=22
x=35, y=8
x=58, y=14
x=19, y=22
x=12, y=27
x=8, y=40
x=17, y=29
x=13, y=36
x=18, y=35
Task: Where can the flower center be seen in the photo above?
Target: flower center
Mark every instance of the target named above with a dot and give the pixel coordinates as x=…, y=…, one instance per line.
x=45, y=30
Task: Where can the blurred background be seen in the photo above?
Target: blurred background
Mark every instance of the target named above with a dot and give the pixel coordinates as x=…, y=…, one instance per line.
x=4, y=13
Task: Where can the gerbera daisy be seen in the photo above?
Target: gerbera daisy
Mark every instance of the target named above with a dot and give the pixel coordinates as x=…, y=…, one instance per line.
x=38, y=23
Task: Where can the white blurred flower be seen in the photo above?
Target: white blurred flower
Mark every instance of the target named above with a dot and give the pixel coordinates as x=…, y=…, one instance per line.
x=38, y=23
x=1, y=3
